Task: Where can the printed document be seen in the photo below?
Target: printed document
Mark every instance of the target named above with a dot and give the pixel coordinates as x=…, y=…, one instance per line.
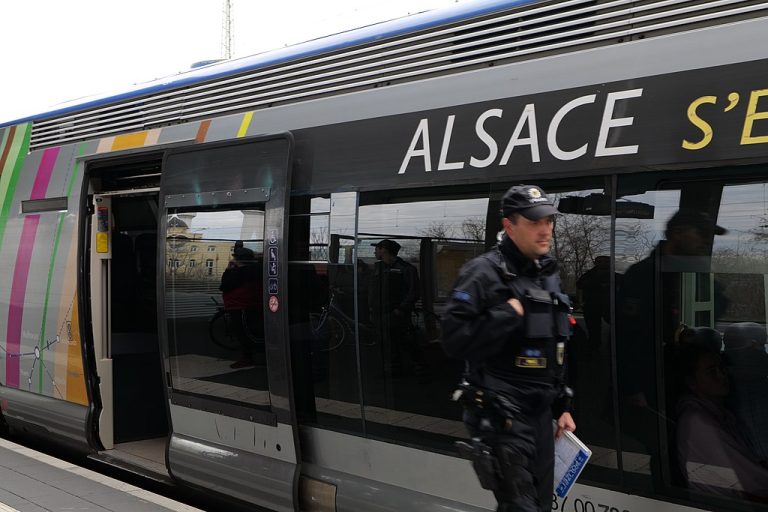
x=571, y=455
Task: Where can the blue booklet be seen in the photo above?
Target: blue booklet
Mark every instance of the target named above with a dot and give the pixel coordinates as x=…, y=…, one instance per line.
x=571, y=455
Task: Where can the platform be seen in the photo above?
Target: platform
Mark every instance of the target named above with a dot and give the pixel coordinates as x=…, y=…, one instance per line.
x=35, y=482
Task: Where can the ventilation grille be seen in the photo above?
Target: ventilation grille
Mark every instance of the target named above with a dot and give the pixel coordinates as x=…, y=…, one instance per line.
x=507, y=36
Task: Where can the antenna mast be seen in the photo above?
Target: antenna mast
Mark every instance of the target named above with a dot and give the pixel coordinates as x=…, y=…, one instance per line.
x=226, y=30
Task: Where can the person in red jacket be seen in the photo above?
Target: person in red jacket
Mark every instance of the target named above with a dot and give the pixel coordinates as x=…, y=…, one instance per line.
x=241, y=287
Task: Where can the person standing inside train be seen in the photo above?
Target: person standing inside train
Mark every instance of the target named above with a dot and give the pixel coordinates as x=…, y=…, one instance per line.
x=392, y=298
x=241, y=287
x=509, y=320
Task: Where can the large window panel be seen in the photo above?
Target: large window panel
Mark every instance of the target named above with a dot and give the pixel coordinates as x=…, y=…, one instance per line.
x=322, y=313
x=692, y=360
x=409, y=252
x=646, y=322
x=739, y=276
x=214, y=310
x=582, y=247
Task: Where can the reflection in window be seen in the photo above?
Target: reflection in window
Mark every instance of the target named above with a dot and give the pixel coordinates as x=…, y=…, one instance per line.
x=382, y=299
x=695, y=303
x=408, y=255
x=581, y=246
x=215, y=311
x=321, y=281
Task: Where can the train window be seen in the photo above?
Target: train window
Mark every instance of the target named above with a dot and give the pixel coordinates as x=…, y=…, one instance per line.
x=50, y=204
x=310, y=222
x=409, y=250
x=215, y=311
x=581, y=243
x=691, y=342
x=322, y=313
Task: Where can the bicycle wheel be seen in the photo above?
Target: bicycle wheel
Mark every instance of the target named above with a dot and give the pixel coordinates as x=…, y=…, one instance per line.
x=336, y=333
x=329, y=333
x=219, y=332
x=317, y=324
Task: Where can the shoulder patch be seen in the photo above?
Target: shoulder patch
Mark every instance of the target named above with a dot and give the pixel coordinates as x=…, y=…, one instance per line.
x=461, y=296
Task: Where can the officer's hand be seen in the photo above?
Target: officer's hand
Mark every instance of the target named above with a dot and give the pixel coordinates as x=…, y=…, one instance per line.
x=565, y=422
x=516, y=305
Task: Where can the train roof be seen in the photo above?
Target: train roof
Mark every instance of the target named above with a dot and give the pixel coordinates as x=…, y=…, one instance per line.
x=326, y=44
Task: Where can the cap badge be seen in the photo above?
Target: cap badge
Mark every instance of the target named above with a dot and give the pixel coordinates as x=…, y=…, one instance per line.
x=534, y=193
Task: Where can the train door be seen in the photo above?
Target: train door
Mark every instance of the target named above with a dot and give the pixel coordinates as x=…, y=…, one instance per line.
x=224, y=321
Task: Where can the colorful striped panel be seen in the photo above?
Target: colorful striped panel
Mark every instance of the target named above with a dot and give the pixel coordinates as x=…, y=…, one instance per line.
x=60, y=359
x=12, y=155
x=21, y=270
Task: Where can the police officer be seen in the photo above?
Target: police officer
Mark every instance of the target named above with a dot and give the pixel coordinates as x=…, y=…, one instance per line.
x=509, y=320
x=393, y=296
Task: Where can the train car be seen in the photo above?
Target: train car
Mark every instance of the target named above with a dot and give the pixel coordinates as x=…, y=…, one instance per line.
x=124, y=217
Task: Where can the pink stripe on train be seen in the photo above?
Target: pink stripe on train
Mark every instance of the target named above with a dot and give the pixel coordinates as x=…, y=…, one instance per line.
x=21, y=270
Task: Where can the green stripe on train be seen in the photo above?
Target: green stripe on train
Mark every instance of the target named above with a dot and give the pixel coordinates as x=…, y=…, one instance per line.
x=10, y=176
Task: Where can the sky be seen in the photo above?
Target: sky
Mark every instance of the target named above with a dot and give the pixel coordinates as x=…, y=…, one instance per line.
x=57, y=51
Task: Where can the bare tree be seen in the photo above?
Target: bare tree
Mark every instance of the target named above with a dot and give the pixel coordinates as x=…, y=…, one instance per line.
x=760, y=232
x=634, y=240
x=438, y=230
x=473, y=228
x=578, y=239
x=318, y=243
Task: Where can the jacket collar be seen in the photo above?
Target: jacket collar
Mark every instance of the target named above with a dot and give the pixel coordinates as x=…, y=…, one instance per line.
x=518, y=263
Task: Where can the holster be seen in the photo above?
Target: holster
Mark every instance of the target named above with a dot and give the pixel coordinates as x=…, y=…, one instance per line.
x=486, y=403
x=484, y=462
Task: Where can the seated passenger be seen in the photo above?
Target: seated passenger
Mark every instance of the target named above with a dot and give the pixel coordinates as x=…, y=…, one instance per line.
x=704, y=336
x=713, y=452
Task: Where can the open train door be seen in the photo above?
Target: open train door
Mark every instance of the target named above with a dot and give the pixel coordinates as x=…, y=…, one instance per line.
x=223, y=243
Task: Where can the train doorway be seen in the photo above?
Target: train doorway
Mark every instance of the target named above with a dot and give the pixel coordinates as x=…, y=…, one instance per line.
x=133, y=422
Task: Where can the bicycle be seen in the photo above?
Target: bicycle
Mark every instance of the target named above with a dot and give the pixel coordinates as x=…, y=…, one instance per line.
x=221, y=331
x=332, y=326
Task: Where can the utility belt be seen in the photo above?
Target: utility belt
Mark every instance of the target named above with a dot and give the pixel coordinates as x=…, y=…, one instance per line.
x=498, y=410
x=496, y=414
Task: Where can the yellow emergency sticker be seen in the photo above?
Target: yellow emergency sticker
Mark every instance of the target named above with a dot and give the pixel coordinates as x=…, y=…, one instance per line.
x=102, y=243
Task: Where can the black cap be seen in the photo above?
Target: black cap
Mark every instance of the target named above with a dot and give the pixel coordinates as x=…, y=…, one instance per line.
x=243, y=254
x=696, y=219
x=390, y=245
x=529, y=201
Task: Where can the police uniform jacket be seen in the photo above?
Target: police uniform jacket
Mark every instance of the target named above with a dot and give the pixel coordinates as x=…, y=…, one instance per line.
x=480, y=327
x=394, y=287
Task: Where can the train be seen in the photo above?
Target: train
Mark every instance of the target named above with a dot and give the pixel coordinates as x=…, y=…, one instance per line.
x=120, y=213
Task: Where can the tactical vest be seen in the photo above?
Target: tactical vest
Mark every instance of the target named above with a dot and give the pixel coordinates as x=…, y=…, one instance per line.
x=539, y=354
